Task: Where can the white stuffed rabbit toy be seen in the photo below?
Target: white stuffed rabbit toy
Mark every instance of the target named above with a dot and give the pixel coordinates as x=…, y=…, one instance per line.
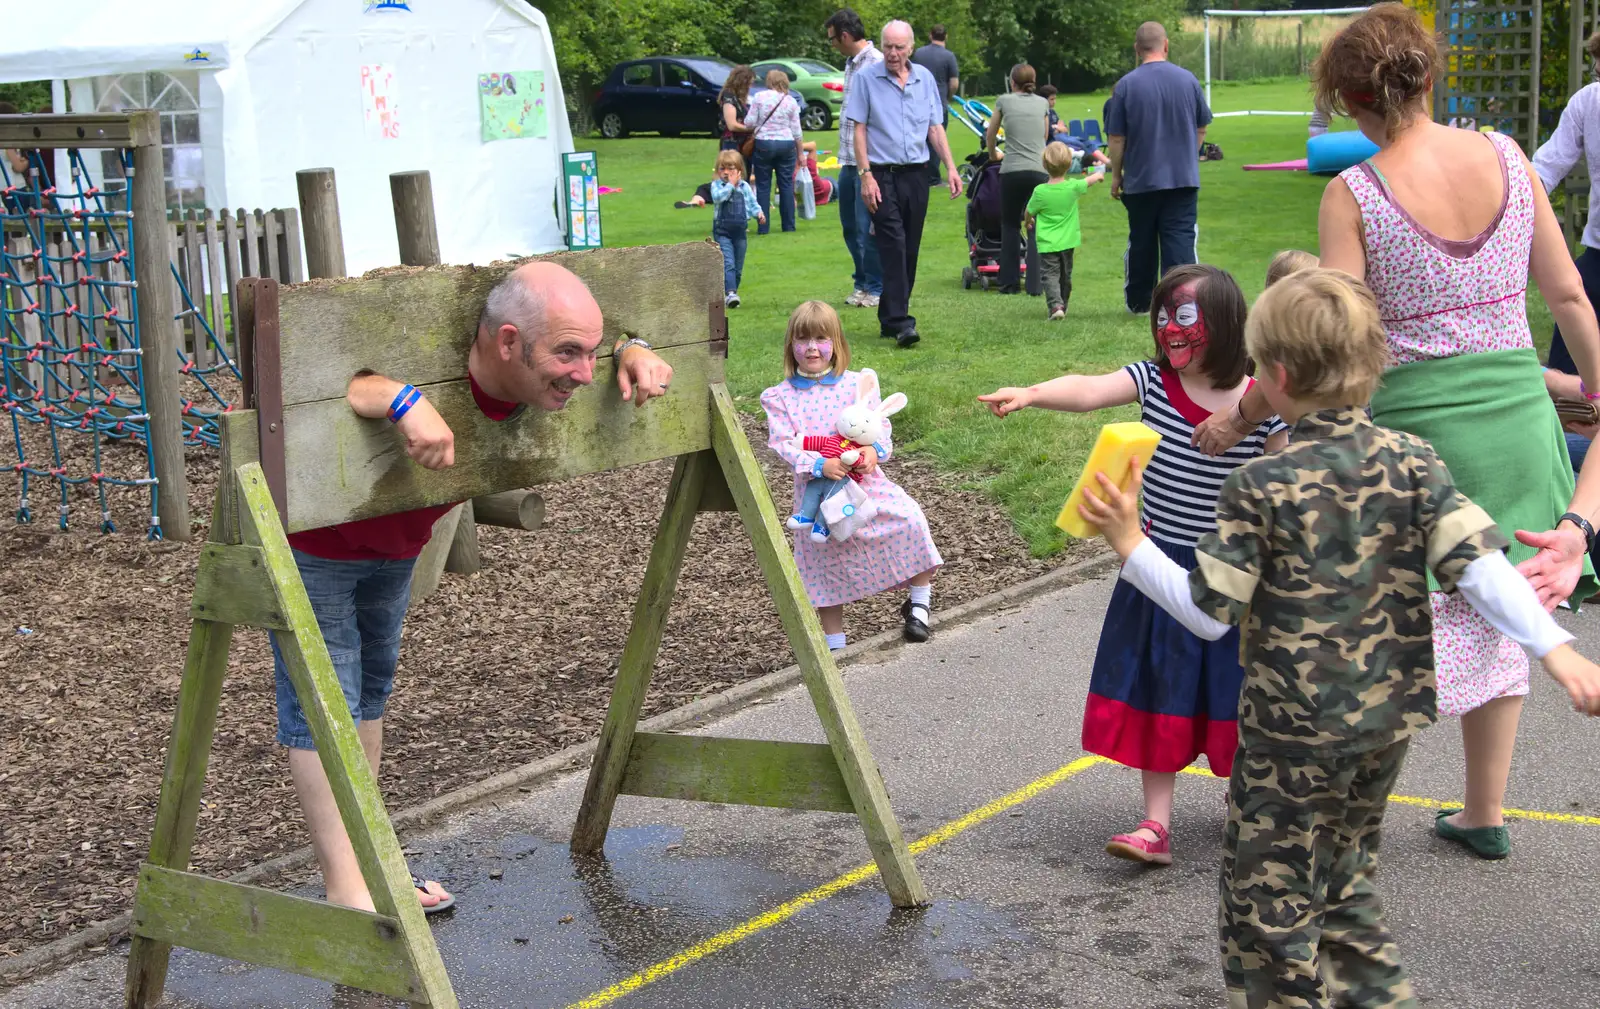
x=834, y=509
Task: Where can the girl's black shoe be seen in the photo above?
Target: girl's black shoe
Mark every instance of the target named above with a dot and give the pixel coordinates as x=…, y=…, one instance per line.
x=915, y=631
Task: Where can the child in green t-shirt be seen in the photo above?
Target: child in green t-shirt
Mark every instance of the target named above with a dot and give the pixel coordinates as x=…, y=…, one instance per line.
x=1053, y=214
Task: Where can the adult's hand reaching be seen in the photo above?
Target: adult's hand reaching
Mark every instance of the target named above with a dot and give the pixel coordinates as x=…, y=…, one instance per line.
x=1554, y=570
x=1217, y=433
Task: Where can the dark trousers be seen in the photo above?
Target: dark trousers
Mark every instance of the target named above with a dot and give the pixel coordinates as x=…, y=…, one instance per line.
x=897, y=226
x=1589, y=269
x=1015, y=190
x=1057, y=278
x=775, y=157
x=935, y=176
x=1162, y=231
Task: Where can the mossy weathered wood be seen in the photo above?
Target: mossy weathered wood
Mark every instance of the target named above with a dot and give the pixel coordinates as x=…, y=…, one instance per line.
x=425, y=574
x=341, y=467
x=750, y=772
x=463, y=557
x=640, y=650
x=417, y=324
x=817, y=668
x=271, y=929
x=715, y=496
x=194, y=722
x=350, y=778
x=231, y=587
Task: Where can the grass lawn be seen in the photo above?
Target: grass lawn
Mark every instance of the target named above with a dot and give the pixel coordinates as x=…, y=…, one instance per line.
x=972, y=341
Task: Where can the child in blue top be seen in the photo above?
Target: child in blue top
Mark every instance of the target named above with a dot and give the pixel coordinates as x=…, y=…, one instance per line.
x=735, y=203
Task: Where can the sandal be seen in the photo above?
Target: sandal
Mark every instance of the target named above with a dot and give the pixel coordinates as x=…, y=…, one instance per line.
x=446, y=900
x=1139, y=849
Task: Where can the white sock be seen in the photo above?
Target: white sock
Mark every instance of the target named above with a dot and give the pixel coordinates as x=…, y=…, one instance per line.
x=835, y=642
x=922, y=595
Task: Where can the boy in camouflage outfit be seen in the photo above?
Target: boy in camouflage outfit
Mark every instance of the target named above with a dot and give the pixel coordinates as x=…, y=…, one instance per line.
x=1320, y=555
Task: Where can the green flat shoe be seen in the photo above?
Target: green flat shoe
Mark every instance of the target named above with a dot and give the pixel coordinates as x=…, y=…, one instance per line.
x=1486, y=842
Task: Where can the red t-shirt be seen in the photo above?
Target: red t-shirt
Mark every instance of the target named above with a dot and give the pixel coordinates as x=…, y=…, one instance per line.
x=390, y=537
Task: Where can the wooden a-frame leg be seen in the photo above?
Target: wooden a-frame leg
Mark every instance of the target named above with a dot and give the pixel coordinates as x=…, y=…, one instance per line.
x=639, y=653
x=188, y=752
x=354, y=787
x=821, y=676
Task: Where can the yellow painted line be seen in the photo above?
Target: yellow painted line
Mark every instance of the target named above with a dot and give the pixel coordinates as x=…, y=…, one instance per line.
x=1412, y=800
x=783, y=912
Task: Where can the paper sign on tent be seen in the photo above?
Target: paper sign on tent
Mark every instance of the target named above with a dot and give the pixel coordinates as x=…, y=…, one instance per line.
x=380, y=102
x=512, y=105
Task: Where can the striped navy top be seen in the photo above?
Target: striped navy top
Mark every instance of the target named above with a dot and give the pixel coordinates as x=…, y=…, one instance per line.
x=1181, y=484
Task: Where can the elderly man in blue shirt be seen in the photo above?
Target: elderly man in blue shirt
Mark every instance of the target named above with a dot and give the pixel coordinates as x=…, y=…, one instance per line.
x=898, y=116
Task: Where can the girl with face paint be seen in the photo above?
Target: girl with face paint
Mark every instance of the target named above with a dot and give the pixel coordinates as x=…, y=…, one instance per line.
x=1160, y=696
x=895, y=548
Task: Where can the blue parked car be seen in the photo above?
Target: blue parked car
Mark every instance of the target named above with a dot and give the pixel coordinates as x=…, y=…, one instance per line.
x=669, y=95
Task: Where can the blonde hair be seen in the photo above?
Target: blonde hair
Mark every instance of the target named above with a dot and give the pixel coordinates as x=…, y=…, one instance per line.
x=1290, y=261
x=777, y=80
x=815, y=320
x=729, y=158
x=1323, y=327
x=1057, y=159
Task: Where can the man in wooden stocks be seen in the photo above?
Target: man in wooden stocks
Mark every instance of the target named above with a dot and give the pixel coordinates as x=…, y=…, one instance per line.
x=537, y=339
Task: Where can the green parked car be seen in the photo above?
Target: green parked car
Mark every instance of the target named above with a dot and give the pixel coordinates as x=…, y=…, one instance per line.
x=821, y=86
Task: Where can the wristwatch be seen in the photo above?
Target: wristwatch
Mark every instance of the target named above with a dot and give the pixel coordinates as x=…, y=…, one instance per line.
x=1583, y=527
x=632, y=341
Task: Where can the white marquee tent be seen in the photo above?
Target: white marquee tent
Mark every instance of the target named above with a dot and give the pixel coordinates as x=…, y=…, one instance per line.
x=250, y=92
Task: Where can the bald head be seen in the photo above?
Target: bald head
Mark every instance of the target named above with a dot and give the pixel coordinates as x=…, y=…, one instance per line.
x=539, y=329
x=1150, y=40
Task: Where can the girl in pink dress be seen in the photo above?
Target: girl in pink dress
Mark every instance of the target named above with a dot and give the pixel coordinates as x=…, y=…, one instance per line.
x=893, y=549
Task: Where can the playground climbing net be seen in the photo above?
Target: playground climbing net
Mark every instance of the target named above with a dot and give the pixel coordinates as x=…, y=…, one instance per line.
x=71, y=363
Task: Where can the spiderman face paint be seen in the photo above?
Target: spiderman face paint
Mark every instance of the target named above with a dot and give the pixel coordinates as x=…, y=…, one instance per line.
x=1180, y=330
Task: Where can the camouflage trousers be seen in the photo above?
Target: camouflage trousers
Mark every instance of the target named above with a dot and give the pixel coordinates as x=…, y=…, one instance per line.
x=1301, y=925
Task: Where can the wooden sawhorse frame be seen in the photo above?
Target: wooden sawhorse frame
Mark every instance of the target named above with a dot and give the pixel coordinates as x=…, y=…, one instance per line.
x=300, y=459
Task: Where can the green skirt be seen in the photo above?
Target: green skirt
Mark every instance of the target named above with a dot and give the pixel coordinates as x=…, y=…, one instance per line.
x=1490, y=419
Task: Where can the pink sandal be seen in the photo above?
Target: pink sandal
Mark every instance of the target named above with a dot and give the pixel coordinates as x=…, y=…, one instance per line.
x=1138, y=849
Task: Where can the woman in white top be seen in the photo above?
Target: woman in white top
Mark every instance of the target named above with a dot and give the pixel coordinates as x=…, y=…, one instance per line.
x=774, y=117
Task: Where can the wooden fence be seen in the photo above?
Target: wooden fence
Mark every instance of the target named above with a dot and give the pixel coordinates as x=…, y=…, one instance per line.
x=210, y=252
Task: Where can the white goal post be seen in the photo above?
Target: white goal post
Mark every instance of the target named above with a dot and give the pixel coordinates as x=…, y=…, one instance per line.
x=1261, y=14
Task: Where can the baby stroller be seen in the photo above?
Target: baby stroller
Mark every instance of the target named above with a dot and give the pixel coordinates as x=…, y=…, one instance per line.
x=983, y=225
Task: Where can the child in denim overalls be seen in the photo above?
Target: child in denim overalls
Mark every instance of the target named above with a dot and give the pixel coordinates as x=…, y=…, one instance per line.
x=735, y=204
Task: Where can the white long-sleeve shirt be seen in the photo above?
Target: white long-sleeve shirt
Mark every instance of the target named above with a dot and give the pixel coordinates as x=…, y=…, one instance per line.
x=1577, y=135
x=1490, y=584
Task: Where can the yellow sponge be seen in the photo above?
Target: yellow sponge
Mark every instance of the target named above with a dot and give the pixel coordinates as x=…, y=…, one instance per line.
x=1113, y=455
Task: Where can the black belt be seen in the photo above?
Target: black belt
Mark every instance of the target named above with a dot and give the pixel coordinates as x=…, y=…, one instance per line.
x=920, y=166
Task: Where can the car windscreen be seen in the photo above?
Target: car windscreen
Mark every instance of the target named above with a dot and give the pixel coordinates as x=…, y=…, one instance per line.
x=813, y=67
x=715, y=72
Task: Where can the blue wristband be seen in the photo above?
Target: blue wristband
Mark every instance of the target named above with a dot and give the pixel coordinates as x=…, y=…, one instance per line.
x=883, y=453
x=403, y=402
x=816, y=468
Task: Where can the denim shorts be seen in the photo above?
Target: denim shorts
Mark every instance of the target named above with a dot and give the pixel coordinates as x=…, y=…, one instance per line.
x=360, y=606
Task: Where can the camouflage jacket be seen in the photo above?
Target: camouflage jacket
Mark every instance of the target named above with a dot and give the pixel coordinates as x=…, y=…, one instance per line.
x=1320, y=556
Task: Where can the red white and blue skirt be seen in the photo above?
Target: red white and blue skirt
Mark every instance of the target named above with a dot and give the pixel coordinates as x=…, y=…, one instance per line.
x=1161, y=695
